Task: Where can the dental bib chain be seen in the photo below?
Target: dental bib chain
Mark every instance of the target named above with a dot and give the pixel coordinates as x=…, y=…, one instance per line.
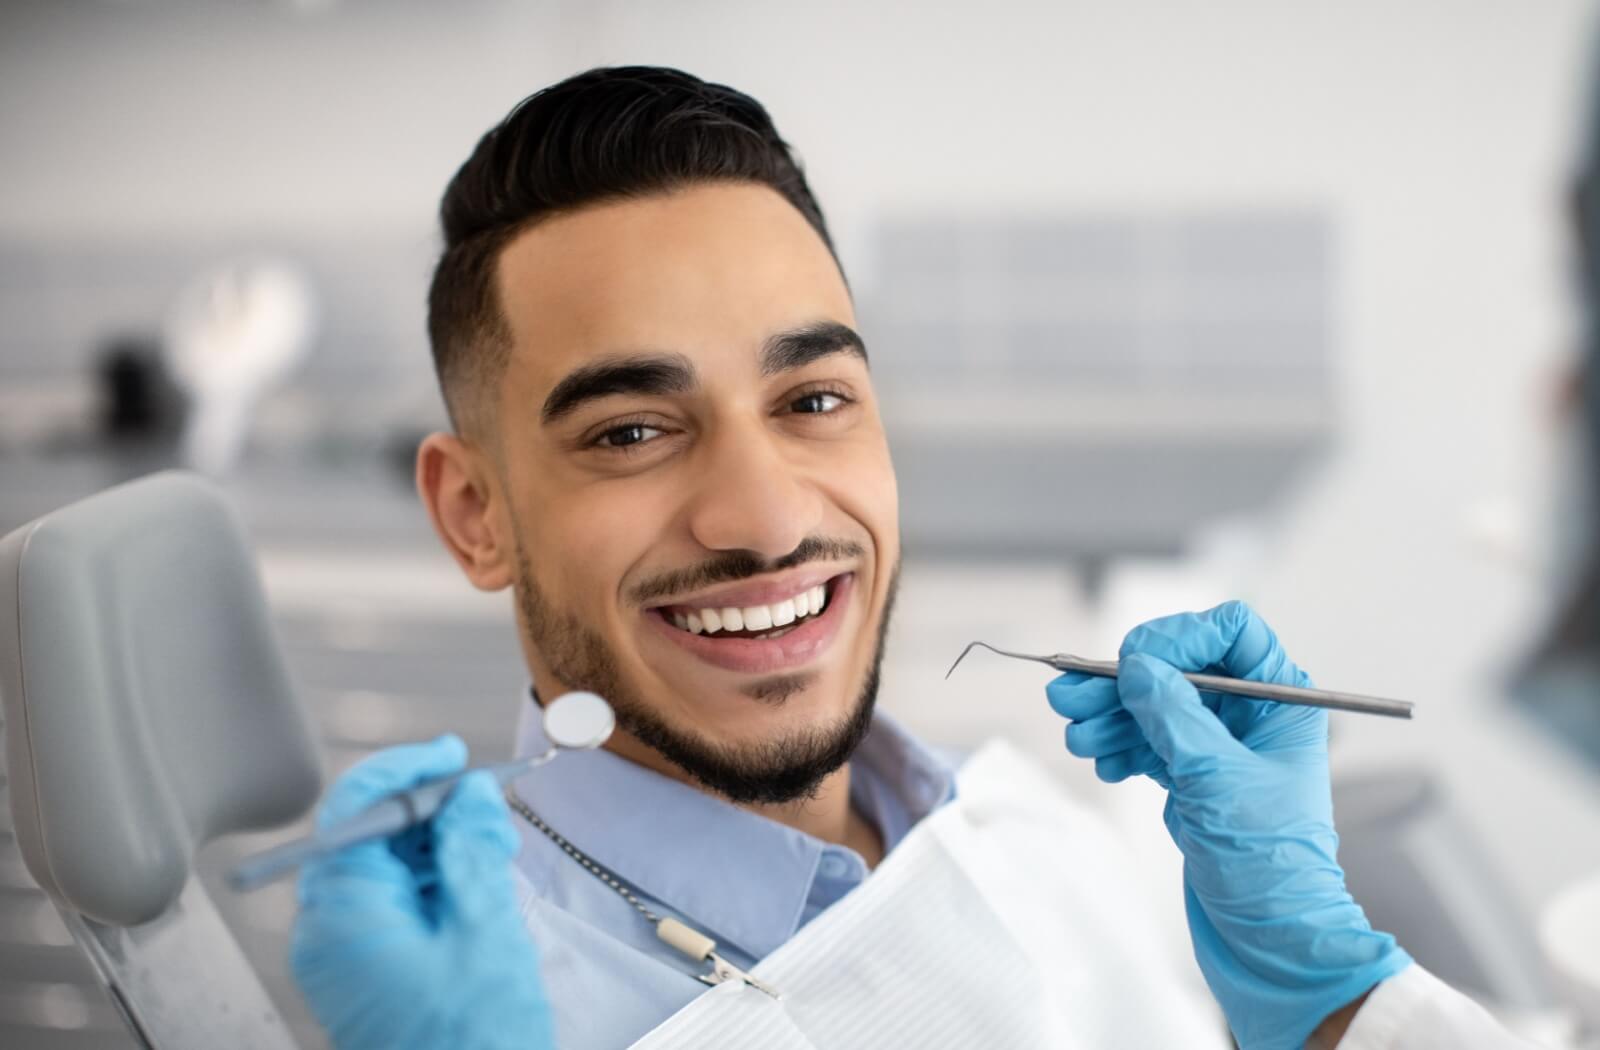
x=684, y=938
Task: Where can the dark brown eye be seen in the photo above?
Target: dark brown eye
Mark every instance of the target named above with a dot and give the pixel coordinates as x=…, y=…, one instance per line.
x=817, y=403
x=624, y=436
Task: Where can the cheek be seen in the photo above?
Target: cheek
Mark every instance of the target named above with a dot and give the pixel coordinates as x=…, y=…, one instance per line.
x=877, y=493
x=888, y=506
x=886, y=532
x=592, y=543
x=863, y=488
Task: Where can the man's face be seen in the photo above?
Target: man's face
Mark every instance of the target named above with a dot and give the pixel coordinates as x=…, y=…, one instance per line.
x=688, y=439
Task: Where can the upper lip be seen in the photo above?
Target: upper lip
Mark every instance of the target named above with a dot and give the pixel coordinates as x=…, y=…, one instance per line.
x=764, y=591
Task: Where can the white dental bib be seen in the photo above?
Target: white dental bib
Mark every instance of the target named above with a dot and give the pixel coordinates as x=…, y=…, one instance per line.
x=1004, y=919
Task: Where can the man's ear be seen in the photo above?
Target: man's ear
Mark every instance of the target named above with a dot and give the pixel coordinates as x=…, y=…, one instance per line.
x=456, y=485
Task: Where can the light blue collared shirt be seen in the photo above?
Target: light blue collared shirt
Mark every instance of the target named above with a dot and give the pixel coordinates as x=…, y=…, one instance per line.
x=745, y=880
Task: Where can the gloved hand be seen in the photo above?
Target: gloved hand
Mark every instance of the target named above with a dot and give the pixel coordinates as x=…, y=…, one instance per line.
x=417, y=942
x=1280, y=941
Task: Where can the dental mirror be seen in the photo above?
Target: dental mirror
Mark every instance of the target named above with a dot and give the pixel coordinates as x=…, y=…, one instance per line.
x=578, y=721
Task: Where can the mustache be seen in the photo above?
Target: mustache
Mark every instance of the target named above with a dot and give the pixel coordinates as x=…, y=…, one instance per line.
x=741, y=565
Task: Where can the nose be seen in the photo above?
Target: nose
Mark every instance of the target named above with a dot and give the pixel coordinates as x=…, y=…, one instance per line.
x=753, y=497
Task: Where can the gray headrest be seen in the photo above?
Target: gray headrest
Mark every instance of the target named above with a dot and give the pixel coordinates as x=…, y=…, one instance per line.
x=147, y=708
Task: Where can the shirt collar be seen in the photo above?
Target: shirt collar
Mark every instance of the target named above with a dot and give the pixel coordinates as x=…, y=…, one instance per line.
x=695, y=853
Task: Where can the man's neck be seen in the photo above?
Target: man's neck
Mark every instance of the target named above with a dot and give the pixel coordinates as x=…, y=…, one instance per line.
x=829, y=816
x=826, y=814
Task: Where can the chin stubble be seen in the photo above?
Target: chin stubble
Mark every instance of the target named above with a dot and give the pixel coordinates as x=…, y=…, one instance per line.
x=784, y=769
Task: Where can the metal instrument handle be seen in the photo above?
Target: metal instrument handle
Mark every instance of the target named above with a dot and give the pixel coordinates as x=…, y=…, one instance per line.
x=1288, y=694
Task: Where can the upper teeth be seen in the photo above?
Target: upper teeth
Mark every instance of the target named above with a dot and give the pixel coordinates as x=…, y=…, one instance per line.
x=753, y=617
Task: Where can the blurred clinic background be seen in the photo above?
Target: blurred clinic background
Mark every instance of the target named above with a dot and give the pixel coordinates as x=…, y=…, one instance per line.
x=1169, y=303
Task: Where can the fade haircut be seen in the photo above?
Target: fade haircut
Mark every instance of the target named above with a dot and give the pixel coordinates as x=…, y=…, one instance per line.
x=605, y=135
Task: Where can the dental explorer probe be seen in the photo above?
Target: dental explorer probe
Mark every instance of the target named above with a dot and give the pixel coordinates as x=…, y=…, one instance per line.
x=572, y=722
x=1284, y=694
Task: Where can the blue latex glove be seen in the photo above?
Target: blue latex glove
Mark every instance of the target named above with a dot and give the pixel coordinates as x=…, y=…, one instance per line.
x=417, y=942
x=1280, y=941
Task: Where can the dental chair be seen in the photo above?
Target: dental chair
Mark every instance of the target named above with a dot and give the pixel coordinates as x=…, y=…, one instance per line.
x=147, y=711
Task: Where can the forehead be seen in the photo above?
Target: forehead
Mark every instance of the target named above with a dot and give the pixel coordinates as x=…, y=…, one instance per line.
x=704, y=271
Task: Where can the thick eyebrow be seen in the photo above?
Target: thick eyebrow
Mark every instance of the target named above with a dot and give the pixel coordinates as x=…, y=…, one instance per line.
x=799, y=347
x=648, y=374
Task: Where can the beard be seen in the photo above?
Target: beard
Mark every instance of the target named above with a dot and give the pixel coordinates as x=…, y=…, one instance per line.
x=782, y=769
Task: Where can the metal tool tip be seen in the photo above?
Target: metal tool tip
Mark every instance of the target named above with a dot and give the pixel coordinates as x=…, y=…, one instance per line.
x=963, y=656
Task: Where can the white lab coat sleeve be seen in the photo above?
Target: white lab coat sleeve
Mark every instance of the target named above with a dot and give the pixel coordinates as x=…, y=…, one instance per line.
x=1414, y=1010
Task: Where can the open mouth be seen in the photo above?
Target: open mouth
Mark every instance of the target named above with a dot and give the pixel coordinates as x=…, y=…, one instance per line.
x=788, y=630
x=772, y=620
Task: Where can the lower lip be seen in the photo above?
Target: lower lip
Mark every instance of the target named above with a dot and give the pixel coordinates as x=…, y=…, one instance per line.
x=766, y=655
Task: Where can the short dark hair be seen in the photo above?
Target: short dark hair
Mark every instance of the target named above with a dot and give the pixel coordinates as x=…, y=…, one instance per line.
x=607, y=134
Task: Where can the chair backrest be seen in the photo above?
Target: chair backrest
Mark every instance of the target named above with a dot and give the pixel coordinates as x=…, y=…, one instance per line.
x=147, y=711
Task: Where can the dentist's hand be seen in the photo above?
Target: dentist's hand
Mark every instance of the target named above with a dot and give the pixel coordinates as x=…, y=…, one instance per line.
x=417, y=942
x=1279, y=939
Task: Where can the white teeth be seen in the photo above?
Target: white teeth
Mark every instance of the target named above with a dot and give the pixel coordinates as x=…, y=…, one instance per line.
x=754, y=617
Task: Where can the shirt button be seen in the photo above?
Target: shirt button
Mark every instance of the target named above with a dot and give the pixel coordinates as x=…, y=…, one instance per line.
x=834, y=866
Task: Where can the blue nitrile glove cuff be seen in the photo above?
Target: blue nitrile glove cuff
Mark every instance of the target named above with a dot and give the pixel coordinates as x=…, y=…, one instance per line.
x=1280, y=1005
x=1277, y=980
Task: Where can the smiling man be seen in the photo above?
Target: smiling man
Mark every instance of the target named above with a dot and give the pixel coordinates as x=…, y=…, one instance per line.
x=666, y=443
x=677, y=464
